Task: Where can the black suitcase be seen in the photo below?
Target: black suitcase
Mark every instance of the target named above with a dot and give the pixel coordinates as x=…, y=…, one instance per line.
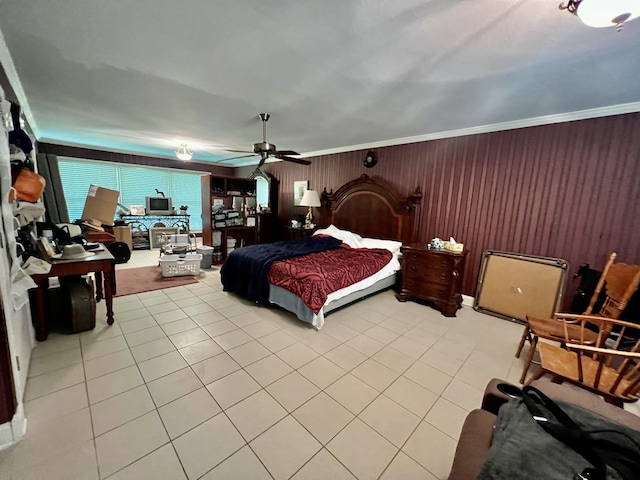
x=74, y=305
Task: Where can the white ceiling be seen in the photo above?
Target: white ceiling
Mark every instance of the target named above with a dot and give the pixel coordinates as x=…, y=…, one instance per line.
x=144, y=76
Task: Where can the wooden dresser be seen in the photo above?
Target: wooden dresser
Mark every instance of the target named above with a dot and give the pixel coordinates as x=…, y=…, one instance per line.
x=432, y=275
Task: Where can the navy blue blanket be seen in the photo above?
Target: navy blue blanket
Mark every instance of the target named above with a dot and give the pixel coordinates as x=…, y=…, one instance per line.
x=246, y=269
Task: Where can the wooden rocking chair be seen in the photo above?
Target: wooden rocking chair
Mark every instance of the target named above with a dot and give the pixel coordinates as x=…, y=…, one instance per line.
x=611, y=370
x=619, y=280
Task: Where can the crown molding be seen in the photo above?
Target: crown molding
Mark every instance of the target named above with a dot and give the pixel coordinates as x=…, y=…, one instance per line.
x=495, y=127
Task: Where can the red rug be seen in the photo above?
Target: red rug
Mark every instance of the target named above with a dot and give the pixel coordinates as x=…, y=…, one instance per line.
x=146, y=279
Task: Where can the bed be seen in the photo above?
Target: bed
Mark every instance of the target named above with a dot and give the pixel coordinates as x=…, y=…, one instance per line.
x=362, y=213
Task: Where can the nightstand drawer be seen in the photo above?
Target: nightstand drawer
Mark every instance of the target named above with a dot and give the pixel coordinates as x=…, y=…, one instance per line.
x=435, y=290
x=427, y=274
x=433, y=258
x=422, y=283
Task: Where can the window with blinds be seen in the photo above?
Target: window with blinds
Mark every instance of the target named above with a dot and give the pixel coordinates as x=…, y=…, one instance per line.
x=133, y=182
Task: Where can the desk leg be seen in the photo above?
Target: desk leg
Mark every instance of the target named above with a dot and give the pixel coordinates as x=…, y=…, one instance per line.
x=40, y=320
x=98, y=286
x=109, y=280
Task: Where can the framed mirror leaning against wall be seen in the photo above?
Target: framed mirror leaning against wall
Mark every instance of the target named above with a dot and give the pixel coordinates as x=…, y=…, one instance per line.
x=267, y=206
x=266, y=191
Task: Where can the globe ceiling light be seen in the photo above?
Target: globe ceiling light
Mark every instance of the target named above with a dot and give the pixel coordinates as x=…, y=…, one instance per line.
x=183, y=153
x=603, y=13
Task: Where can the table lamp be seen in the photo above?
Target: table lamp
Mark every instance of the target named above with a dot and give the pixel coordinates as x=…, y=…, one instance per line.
x=310, y=199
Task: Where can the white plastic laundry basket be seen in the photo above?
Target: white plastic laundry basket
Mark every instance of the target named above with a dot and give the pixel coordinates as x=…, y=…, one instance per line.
x=176, y=265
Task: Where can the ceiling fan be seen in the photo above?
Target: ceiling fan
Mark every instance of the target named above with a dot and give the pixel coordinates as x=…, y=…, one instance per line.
x=266, y=150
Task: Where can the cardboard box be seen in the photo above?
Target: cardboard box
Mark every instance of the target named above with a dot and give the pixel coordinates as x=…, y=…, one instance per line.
x=123, y=234
x=101, y=204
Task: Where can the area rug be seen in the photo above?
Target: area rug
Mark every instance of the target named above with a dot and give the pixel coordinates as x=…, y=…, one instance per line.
x=146, y=279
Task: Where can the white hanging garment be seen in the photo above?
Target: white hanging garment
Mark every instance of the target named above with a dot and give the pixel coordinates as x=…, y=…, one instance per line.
x=20, y=282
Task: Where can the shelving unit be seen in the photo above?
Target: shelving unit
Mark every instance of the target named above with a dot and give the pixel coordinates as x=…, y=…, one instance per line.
x=228, y=212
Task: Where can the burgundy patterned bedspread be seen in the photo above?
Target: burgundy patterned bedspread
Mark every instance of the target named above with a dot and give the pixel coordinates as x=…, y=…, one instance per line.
x=313, y=277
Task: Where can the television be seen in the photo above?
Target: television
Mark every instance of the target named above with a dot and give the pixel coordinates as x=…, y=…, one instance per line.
x=159, y=206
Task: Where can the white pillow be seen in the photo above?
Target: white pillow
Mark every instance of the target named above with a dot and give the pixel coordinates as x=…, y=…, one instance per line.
x=391, y=245
x=346, y=236
x=326, y=231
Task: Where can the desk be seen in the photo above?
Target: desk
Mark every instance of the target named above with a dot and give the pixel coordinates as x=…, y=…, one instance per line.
x=100, y=263
x=100, y=237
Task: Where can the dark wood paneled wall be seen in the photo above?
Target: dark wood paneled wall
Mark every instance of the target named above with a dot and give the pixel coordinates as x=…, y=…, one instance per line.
x=566, y=190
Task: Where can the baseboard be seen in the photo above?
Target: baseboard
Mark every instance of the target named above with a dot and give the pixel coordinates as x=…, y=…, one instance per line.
x=468, y=301
x=13, y=431
x=6, y=435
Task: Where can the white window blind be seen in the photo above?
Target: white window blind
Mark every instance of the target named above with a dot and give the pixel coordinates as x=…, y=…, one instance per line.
x=77, y=176
x=134, y=183
x=137, y=183
x=185, y=190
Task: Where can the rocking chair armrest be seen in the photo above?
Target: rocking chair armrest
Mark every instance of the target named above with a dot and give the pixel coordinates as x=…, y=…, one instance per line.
x=576, y=317
x=606, y=351
x=597, y=319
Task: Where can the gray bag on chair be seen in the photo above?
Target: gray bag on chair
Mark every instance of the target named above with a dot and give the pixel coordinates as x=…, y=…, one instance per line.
x=536, y=438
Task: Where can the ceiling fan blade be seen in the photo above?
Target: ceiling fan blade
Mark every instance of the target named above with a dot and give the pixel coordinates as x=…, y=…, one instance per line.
x=286, y=152
x=234, y=158
x=300, y=161
x=237, y=151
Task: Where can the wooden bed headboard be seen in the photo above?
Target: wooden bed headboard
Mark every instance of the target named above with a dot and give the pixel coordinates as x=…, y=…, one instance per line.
x=371, y=208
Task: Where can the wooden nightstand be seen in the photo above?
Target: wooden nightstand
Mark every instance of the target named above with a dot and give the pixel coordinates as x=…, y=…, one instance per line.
x=290, y=232
x=432, y=275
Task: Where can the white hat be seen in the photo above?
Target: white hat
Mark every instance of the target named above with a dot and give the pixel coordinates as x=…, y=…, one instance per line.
x=74, y=251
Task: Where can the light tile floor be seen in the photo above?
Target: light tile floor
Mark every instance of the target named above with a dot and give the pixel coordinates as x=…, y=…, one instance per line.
x=191, y=382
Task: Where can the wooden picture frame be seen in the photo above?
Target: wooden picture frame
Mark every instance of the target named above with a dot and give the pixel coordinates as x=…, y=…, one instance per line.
x=155, y=235
x=136, y=210
x=514, y=285
x=299, y=187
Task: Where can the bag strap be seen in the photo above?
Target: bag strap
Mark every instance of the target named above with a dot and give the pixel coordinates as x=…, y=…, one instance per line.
x=556, y=422
x=549, y=415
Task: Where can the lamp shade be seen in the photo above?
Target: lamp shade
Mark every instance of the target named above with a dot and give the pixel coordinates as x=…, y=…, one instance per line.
x=607, y=13
x=310, y=199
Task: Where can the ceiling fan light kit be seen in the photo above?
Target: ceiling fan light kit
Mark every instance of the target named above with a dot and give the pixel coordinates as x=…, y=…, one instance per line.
x=266, y=149
x=603, y=13
x=183, y=153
